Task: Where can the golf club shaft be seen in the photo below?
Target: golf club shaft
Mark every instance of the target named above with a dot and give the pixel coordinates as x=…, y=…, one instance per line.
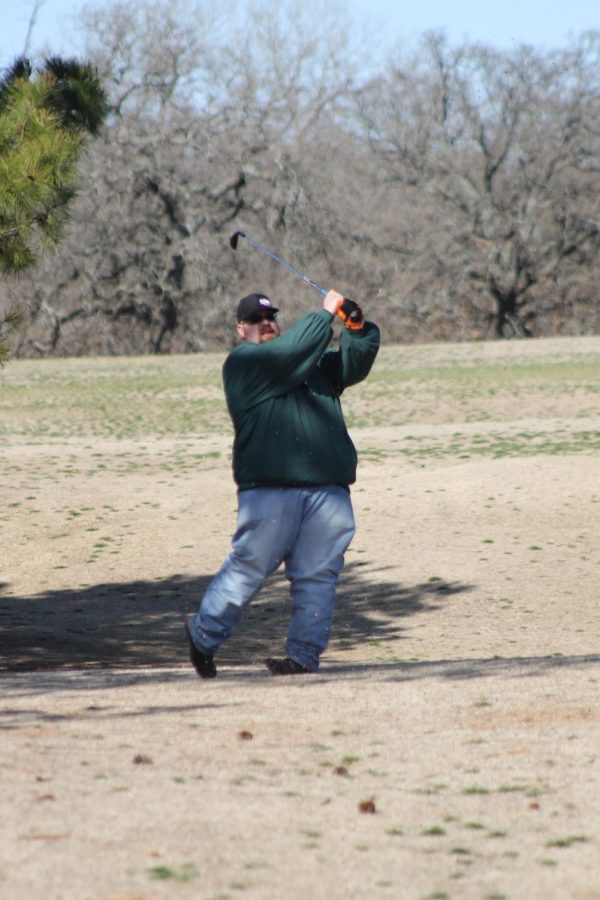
x=283, y=263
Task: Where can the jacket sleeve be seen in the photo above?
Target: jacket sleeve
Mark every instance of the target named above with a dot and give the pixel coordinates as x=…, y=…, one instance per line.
x=256, y=372
x=354, y=359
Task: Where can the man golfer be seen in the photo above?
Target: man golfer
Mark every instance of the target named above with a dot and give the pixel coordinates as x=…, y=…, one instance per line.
x=293, y=462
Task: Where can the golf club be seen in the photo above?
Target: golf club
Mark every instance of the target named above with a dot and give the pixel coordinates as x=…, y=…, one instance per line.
x=233, y=241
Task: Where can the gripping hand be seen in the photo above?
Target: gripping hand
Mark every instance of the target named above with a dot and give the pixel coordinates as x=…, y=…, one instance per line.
x=351, y=314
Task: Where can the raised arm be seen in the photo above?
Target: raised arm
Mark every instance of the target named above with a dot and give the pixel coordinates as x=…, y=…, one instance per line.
x=354, y=358
x=257, y=372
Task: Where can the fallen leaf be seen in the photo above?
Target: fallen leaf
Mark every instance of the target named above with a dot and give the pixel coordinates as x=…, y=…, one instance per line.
x=367, y=806
x=142, y=760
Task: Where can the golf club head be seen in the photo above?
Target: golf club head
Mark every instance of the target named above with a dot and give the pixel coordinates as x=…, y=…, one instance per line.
x=233, y=240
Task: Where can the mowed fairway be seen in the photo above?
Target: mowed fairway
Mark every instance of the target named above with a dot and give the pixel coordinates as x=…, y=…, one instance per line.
x=450, y=746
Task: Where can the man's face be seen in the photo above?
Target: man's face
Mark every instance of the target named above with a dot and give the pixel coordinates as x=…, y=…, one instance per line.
x=259, y=328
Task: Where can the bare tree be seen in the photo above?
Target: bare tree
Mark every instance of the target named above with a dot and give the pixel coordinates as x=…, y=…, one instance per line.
x=204, y=132
x=37, y=5
x=456, y=191
x=497, y=155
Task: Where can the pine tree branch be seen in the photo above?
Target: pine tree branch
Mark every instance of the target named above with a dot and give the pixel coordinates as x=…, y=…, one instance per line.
x=44, y=119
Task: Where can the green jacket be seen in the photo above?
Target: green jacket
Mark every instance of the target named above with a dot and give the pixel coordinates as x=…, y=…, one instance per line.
x=283, y=397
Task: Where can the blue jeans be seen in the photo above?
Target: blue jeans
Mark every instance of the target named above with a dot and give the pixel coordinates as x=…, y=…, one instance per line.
x=309, y=530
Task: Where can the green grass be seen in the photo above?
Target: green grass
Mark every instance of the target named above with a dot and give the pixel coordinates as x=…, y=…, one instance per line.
x=186, y=872
x=123, y=397
x=483, y=391
x=462, y=379
x=433, y=831
x=562, y=843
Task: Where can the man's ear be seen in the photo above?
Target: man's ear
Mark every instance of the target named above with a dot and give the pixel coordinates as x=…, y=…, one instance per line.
x=240, y=330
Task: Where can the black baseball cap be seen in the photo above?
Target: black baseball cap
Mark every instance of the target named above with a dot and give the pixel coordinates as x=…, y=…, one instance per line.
x=254, y=303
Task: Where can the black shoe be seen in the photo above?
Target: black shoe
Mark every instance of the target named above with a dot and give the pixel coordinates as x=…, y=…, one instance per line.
x=202, y=662
x=285, y=666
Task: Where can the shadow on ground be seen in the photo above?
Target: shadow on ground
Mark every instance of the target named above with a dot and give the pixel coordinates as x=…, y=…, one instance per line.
x=23, y=706
x=140, y=623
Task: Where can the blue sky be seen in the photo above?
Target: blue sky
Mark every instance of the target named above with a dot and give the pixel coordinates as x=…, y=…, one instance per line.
x=503, y=24
x=542, y=23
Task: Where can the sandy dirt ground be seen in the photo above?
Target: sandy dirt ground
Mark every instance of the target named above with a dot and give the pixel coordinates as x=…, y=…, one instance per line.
x=449, y=747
